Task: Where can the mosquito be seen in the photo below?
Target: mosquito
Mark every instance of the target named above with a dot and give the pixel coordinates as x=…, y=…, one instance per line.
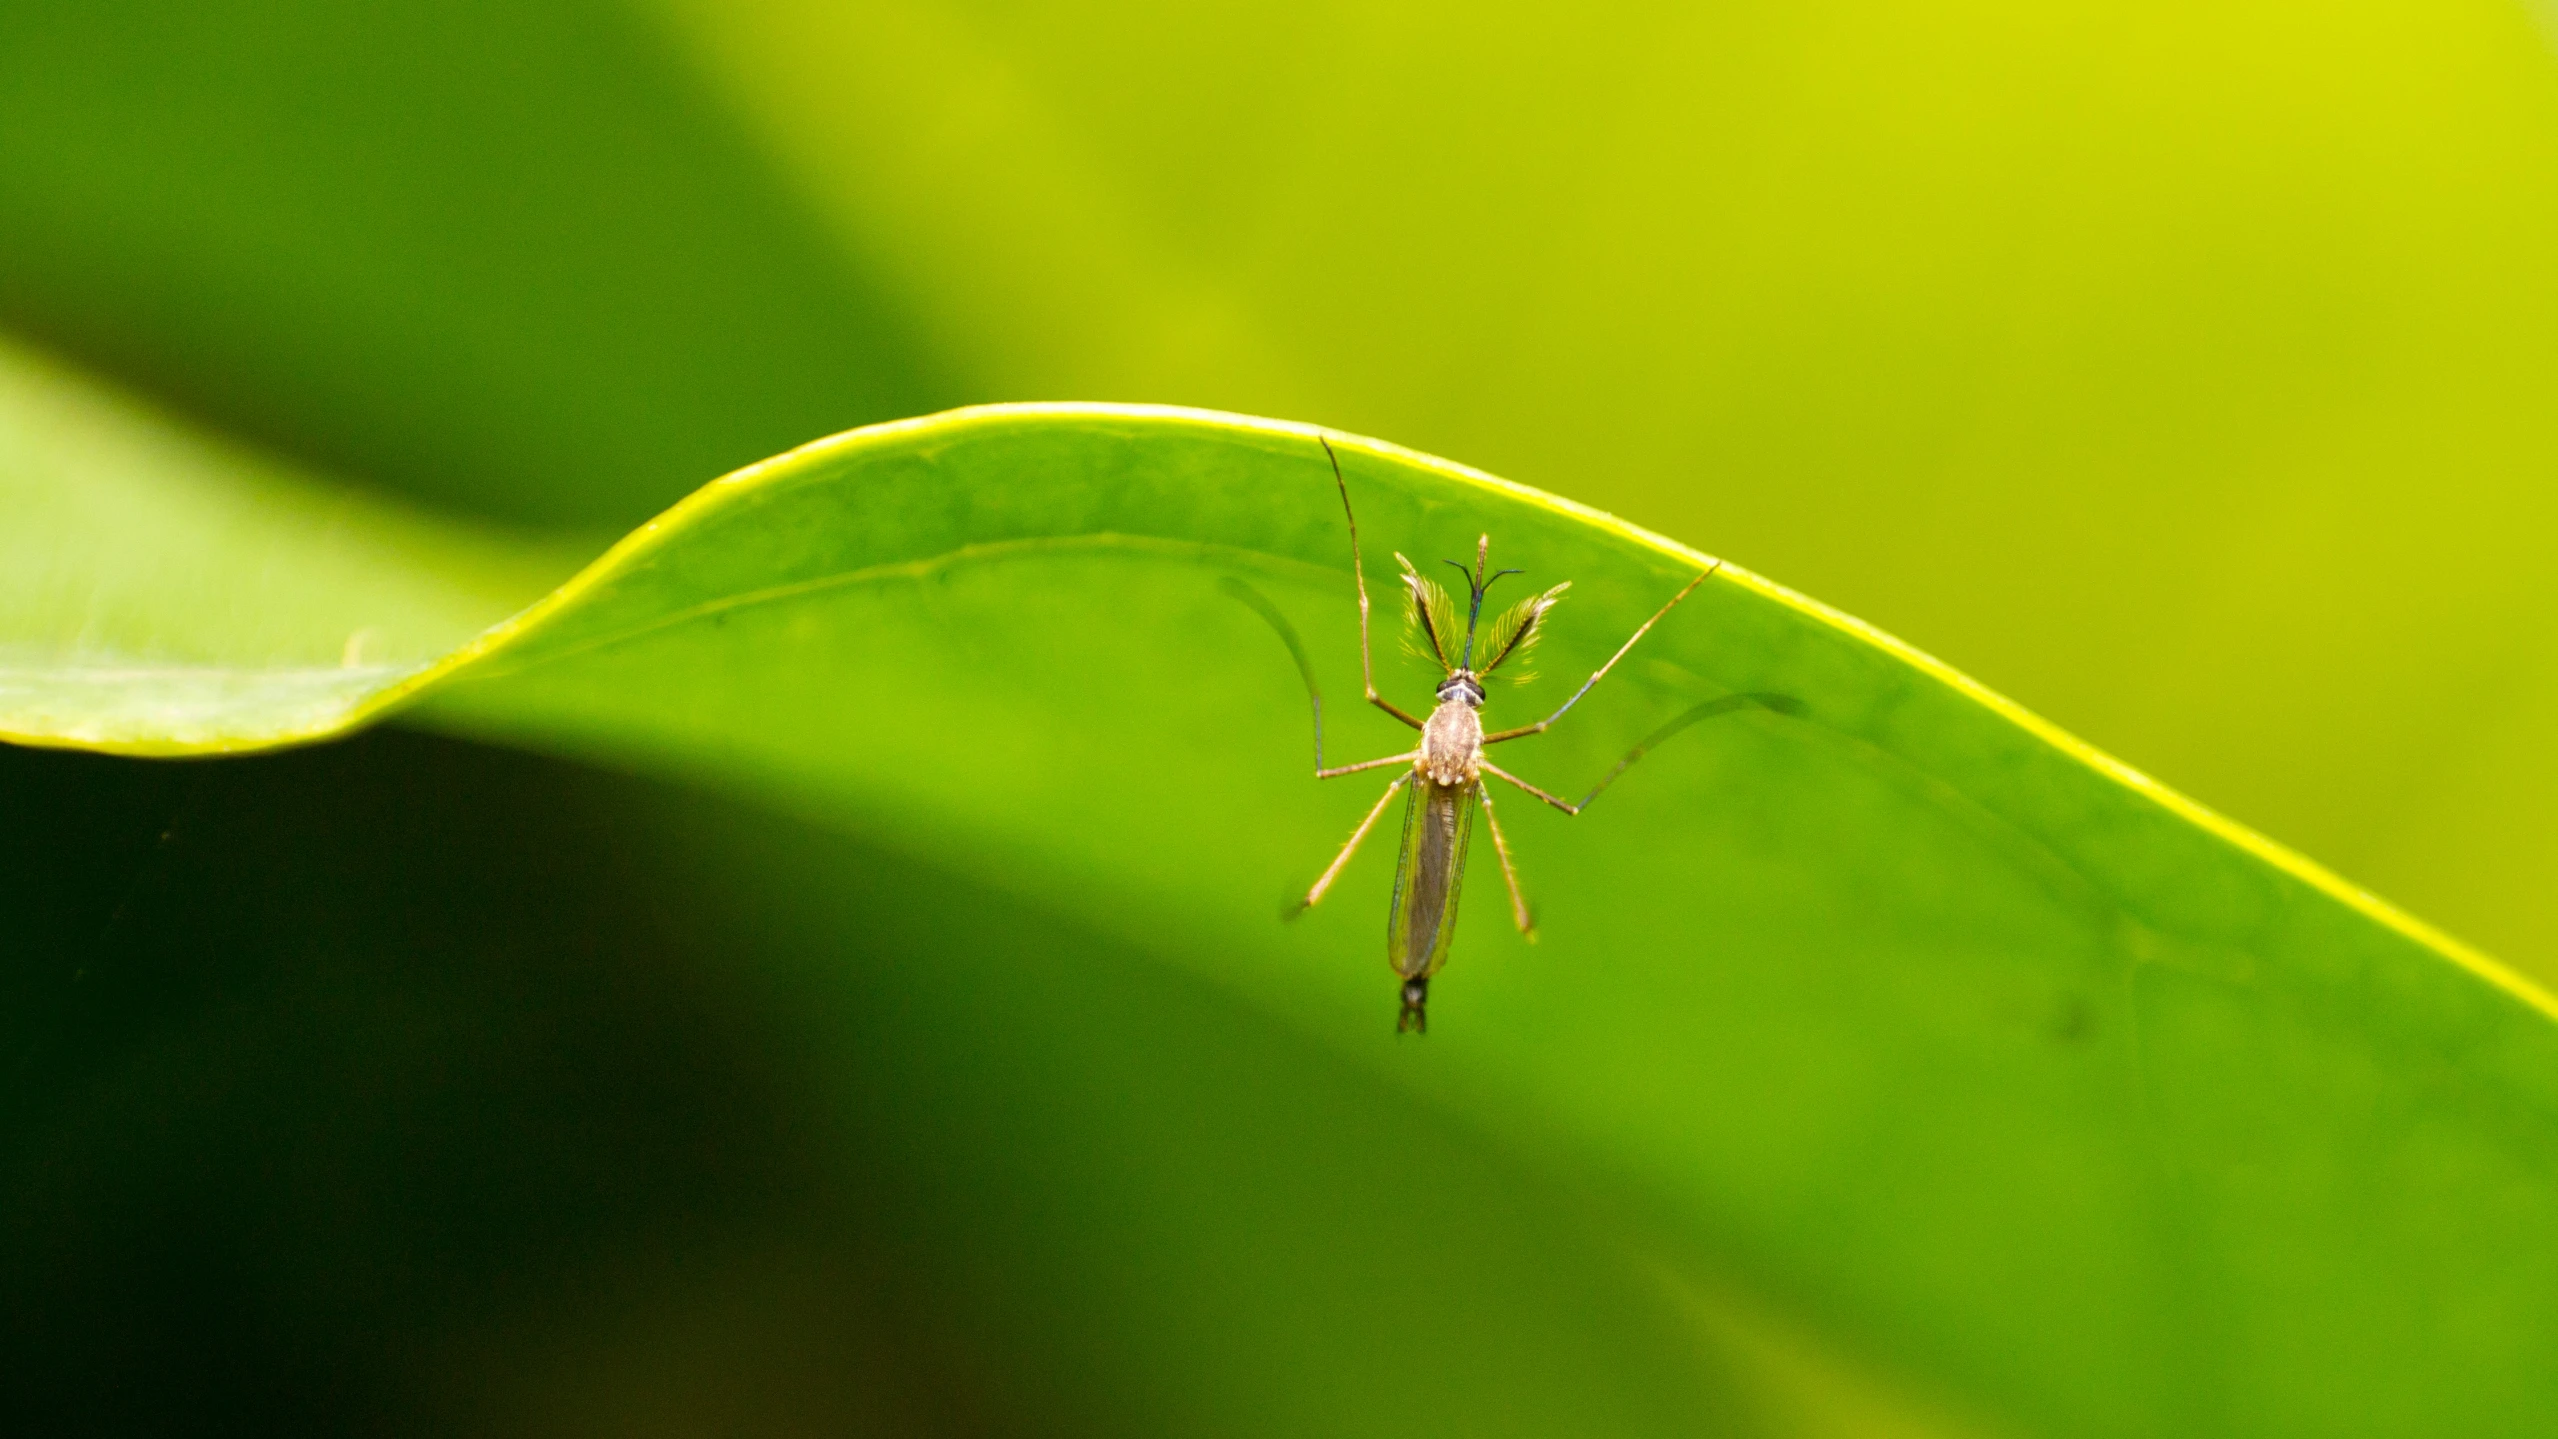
x=1443, y=780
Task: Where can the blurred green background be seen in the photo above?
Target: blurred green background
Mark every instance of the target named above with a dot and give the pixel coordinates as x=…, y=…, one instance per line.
x=2185, y=373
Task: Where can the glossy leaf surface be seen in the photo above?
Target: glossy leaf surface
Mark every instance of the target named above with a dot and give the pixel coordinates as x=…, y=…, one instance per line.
x=1903, y=1015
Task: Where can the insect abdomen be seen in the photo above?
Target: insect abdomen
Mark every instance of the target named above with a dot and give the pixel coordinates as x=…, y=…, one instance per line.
x=1429, y=876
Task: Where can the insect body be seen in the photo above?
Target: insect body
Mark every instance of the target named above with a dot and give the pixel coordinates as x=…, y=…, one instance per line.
x=1443, y=779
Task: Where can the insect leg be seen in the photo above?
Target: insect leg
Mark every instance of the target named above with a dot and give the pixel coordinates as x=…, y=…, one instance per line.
x=1339, y=770
x=1509, y=872
x=1708, y=710
x=1497, y=772
x=1542, y=725
x=1359, y=576
x=1781, y=704
x=1261, y=605
x=1333, y=870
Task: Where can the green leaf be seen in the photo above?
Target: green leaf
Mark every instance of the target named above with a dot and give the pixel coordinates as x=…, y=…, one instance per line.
x=1929, y=1030
x=2112, y=355
x=161, y=592
x=2158, y=366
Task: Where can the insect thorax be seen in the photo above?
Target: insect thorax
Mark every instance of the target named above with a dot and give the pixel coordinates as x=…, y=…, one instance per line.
x=1452, y=738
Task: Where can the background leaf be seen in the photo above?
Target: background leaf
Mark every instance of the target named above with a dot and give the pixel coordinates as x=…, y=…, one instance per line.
x=163, y=591
x=494, y=256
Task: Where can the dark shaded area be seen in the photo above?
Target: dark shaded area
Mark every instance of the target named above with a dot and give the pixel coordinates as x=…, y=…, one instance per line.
x=409, y=1085
x=507, y=258
x=321, y=1063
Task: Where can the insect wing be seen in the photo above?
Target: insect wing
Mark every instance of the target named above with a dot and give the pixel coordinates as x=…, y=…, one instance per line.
x=1429, y=873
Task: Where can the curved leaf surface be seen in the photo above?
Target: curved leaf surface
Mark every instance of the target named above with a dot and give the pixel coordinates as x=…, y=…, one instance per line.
x=1965, y=1047
x=165, y=592
x=2124, y=388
